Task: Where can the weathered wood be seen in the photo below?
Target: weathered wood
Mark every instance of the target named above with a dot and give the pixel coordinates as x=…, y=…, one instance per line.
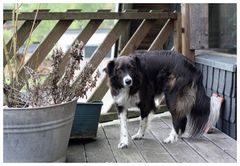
x=75, y=152
x=137, y=37
x=99, y=151
x=101, y=89
x=185, y=35
x=179, y=150
x=106, y=45
x=149, y=146
x=229, y=83
x=198, y=22
x=212, y=153
x=84, y=36
x=45, y=47
x=210, y=77
x=177, y=34
x=216, y=147
x=131, y=45
x=162, y=36
x=215, y=79
x=233, y=116
x=22, y=34
x=74, y=15
x=205, y=77
x=223, y=141
x=234, y=86
x=221, y=82
x=130, y=154
x=110, y=116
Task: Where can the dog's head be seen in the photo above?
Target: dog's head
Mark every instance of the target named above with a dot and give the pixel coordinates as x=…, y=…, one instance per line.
x=124, y=71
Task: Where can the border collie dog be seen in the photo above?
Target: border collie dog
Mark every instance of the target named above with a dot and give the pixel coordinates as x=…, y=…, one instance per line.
x=137, y=79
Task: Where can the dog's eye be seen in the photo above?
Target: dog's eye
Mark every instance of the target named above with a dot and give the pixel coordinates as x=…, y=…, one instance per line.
x=119, y=70
x=130, y=66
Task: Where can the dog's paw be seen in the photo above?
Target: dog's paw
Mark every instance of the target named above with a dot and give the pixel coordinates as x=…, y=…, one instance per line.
x=122, y=145
x=170, y=139
x=137, y=136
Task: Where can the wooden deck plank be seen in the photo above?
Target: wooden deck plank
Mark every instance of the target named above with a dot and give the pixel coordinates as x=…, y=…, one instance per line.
x=223, y=141
x=75, y=152
x=179, y=150
x=209, y=151
x=130, y=154
x=99, y=151
x=207, y=148
x=216, y=147
x=149, y=147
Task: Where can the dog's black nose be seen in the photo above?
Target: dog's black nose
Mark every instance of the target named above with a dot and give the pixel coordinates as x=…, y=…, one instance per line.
x=128, y=81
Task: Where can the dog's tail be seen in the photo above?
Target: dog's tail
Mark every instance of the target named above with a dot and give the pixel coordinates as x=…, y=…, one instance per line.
x=205, y=112
x=215, y=106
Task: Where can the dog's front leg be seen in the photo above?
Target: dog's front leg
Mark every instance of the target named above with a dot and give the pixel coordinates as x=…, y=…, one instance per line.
x=123, y=127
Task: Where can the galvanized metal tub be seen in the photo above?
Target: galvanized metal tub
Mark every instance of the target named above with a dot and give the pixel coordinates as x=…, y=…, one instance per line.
x=37, y=134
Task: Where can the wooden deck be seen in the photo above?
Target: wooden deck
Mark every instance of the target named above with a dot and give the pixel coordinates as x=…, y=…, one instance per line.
x=216, y=147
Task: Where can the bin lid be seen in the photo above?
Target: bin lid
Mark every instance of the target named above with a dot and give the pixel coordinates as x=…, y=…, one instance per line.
x=217, y=59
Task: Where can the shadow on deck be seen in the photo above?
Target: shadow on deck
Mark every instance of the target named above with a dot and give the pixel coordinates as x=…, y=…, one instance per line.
x=215, y=147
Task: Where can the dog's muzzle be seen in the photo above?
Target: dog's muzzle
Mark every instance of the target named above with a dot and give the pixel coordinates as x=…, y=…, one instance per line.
x=127, y=81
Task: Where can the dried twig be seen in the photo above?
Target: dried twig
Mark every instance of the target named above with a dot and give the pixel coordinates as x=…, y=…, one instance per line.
x=54, y=92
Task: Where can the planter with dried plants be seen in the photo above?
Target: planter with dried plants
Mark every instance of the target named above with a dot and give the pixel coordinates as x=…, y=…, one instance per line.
x=38, y=120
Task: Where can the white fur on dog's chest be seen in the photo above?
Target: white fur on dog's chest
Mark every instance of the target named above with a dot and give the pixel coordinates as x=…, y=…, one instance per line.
x=124, y=99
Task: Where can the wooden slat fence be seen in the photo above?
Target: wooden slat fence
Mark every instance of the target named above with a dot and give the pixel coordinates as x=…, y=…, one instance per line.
x=172, y=26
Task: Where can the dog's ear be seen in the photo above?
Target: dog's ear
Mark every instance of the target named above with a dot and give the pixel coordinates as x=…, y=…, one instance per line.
x=110, y=67
x=138, y=62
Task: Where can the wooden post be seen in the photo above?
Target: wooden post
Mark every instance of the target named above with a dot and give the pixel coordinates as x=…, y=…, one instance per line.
x=198, y=22
x=186, y=32
x=177, y=34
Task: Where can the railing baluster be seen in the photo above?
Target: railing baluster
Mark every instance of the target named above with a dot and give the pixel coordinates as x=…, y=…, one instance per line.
x=173, y=24
x=162, y=36
x=45, y=47
x=22, y=34
x=106, y=45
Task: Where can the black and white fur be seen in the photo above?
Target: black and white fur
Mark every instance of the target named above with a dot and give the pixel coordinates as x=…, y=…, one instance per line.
x=137, y=79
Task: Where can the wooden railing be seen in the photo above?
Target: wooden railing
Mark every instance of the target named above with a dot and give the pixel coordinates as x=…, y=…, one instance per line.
x=172, y=25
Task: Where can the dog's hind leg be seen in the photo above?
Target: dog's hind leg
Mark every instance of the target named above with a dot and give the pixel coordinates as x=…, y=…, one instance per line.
x=178, y=128
x=178, y=109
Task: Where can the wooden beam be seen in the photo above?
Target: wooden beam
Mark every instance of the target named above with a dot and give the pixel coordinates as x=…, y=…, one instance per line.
x=177, y=34
x=76, y=15
x=45, y=47
x=22, y=34
x=162, y=36
x=84, y=36
x=131, y=45
x=185, y=35
x=110, y=116
x=106, y=45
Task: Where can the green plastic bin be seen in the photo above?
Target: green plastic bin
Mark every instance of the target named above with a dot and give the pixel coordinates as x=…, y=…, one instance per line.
x=86, y=120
